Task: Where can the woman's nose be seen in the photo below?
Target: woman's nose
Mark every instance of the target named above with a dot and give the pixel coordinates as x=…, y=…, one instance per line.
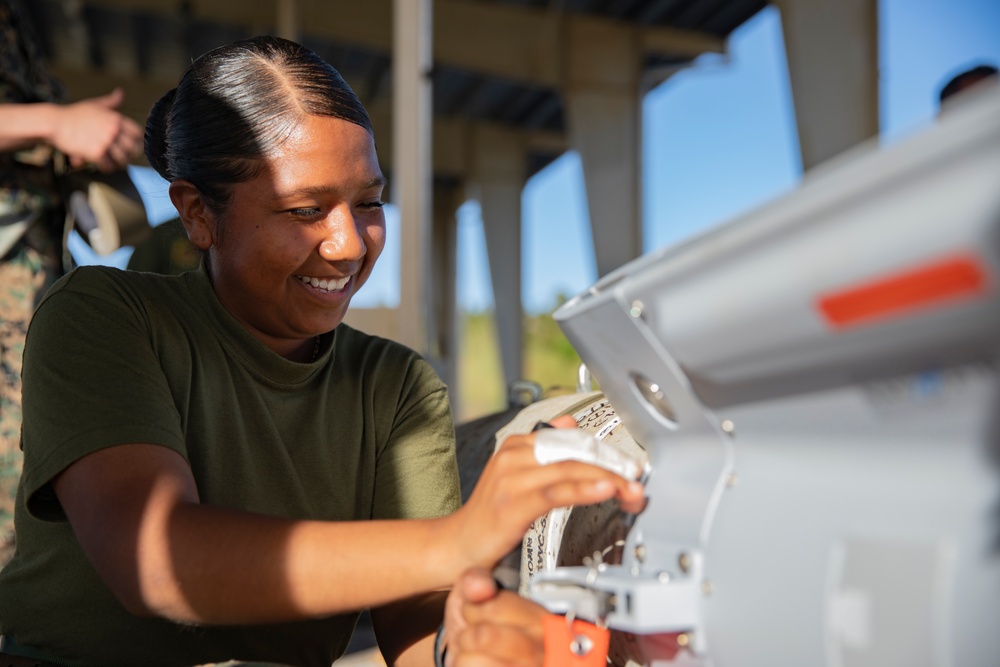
x=343, y=242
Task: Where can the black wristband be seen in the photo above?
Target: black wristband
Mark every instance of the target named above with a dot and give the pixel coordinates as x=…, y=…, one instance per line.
x=440, y=649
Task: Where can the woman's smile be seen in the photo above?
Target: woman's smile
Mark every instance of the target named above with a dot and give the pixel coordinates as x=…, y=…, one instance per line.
x=325, y=284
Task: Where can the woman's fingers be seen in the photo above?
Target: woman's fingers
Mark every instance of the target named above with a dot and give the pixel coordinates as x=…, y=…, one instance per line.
x=509, y=609
x=497, y=629
x=492, y=643
x=476, y=586
x=559, y=484
x=473, y=587
x=565, y=421
x=515, y=489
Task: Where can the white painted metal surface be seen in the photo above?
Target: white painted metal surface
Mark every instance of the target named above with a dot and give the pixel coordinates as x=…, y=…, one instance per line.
x=817, y=386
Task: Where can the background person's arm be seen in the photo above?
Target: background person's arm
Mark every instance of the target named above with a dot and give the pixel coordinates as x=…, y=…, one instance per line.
x=88, y=132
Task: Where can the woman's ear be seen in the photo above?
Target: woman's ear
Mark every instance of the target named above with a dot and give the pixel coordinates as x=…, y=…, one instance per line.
x=197, y=218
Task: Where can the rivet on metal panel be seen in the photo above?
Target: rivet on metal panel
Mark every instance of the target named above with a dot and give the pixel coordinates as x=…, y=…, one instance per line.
x=684, y=639
x=663, y=577
x=636, y=309
x=684, y=561
x=640, y=553
x=728, y=426
x=731, y=480
x=706, y=587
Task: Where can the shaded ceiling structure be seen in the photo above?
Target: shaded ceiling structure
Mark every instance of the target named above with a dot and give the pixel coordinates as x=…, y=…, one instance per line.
x=146, y=44
x=510, y=85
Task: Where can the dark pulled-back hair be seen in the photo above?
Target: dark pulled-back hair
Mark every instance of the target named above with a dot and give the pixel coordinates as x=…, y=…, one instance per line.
x=965, y=79
x=235, y=105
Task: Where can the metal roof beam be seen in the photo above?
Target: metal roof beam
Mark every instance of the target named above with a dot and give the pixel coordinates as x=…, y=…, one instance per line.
x=451, y=136
x=522, y=44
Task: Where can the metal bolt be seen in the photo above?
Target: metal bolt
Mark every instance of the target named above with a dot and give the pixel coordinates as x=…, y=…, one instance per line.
x=706, y=587
x=636, y=309
x=684, y=561
x=581, y=645
x=640, y=553
x=732, y=480
x=663, y=577
x=728, y=426
x=684, y=639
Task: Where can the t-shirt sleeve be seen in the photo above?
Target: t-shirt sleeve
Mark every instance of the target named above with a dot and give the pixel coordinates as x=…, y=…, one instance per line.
x=417, y=472
x=90, y=380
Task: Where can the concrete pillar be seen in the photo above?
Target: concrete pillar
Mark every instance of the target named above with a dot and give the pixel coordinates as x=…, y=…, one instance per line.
x=411, y=163
x=499, y=167
x=444, y=324
x=832, y=50
x=603, y=106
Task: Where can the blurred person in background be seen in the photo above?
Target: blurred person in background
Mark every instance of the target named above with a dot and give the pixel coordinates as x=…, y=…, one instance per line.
x=34, y=125
x=972, y=79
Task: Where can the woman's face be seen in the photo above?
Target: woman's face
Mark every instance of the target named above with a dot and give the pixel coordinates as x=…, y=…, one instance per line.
x=302, y=237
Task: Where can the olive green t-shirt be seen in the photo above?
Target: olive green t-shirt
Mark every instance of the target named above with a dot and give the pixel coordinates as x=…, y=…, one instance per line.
x=113, y=357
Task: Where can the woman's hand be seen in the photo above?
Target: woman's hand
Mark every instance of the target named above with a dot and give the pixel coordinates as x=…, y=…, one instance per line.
x=485, y=626
x=515, y=489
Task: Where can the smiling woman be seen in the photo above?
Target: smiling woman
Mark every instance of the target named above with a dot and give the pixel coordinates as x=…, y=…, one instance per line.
x=298, y=239
x=216, y=449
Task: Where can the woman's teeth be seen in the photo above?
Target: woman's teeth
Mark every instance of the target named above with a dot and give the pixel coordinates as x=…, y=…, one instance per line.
x=325, y=284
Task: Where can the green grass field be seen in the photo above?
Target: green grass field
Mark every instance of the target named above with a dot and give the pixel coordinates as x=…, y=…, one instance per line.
x=549, y=360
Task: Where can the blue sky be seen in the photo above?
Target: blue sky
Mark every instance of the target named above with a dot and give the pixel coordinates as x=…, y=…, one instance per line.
x=719, y=139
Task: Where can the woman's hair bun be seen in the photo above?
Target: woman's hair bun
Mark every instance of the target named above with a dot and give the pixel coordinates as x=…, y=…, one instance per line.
x=156, y=134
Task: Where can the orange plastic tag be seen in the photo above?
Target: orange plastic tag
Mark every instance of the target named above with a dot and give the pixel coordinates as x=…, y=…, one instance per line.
x=585, y=646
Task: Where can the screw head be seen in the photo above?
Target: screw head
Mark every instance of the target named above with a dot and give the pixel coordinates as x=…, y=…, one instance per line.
x=706, y=587
x=684, y=639
x=640, y=553
x=684, y=561
x=581, y=645
x=728, y=426
x=636, y=309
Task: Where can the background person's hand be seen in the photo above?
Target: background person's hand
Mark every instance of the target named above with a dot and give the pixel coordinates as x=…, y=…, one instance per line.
x=515, y=489
x=486, y=627
x=93, y=132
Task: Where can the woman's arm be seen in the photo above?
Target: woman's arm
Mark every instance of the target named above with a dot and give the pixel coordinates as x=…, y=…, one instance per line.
x=406, y=629
x=136, y=512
